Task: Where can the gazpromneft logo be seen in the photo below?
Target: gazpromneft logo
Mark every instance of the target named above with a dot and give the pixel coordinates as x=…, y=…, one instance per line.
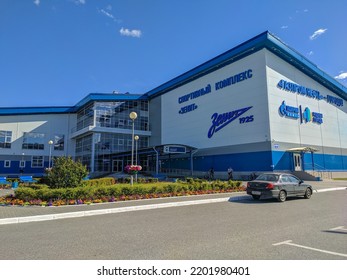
x=221, y=120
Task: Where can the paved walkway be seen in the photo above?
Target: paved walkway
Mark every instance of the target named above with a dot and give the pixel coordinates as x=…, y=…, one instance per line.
x=20, y=214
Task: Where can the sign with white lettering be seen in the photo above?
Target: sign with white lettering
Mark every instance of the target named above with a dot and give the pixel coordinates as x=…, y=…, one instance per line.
x=170, y=149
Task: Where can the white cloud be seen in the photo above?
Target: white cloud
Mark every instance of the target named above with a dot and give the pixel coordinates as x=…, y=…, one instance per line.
x=310, y=53
x=37, y=2
x=78, y=2
x=284, y=26
x=107, y=13
x=131, y=33
x=341, y=76
x=317, y=33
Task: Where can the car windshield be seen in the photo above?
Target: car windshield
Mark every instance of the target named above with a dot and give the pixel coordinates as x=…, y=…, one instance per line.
x=268, y=177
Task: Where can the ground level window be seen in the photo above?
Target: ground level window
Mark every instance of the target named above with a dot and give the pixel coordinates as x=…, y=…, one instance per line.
x=7, y=163
x=37, y=161
x=22, y=163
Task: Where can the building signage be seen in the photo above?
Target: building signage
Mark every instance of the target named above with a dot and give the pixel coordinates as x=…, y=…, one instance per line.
x=195, y=94
x=170, y=149
x=311, y=93
x=289, y=111
x=298, y=113
x=219, y=121
x=234, y=79
x=237, y=78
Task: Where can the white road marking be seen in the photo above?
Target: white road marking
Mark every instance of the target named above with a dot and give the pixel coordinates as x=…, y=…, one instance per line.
x=342, y=228
x=330, y=189
x=289, y=242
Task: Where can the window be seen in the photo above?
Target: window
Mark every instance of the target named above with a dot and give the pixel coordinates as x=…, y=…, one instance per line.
x=120, y=142
x=37, y=161
x=7, y=163
x=33, y=141
x=292, y=179
x=59, y=142
x=5, y=139
x=22, y=164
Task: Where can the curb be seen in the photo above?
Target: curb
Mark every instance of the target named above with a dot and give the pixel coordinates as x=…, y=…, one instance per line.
x=50, y=217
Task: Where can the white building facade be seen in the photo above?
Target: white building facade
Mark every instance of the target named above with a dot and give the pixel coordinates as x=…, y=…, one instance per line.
x=258, y=107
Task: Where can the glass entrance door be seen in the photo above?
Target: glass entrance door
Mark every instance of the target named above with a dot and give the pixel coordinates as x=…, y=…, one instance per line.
x=117, y=165
x=297, y=162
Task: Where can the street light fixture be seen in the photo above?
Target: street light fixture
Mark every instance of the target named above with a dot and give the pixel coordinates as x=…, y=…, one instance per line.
x=136, y=141
x=133, y=117
x=50, y=143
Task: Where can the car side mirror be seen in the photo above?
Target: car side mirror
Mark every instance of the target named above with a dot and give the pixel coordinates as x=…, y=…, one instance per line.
x=300, y=182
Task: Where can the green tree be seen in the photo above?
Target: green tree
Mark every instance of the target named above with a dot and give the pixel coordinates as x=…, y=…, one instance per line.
x=66, y=173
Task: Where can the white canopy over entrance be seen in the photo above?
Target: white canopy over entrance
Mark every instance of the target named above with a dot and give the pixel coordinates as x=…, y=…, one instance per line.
x=303, y=150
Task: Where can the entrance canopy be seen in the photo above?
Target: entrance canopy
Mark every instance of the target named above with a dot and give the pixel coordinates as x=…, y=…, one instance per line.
x=163, y=151
x=302, y=150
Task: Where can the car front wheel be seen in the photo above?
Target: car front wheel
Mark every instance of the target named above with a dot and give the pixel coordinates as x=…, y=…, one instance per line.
x=308, y=193
x=282, y=196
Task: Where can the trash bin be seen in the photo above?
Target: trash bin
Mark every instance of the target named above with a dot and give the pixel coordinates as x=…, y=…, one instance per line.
x=317, y=178
x=14, y=185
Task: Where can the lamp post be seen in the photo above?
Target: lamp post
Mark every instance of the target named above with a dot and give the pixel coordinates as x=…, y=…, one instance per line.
x=136, y=141
x=133, y=117
x=50, y=143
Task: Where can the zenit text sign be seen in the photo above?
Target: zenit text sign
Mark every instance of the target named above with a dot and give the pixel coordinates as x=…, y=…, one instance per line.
x=227, y=82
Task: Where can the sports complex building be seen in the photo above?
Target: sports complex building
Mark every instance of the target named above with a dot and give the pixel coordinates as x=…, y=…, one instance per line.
x=260, y=106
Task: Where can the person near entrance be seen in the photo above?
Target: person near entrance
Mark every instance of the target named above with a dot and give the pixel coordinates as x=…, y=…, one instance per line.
x=211, y=173
x=230, y=173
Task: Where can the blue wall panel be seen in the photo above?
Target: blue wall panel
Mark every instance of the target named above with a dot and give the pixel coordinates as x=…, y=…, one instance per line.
x=259, y=161
x=284, y=161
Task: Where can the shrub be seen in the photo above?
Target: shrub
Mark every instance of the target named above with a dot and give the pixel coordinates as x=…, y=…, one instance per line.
x=42, y=195
x=66, y=173
x=100, y=182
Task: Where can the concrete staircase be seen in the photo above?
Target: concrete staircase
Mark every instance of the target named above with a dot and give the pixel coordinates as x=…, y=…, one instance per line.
x=306, y=176
x=313, y=175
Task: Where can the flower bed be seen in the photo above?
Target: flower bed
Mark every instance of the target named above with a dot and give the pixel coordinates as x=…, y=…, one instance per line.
x=26, y=196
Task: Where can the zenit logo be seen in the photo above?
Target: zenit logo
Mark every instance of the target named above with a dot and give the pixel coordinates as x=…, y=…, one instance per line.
x=219, y=121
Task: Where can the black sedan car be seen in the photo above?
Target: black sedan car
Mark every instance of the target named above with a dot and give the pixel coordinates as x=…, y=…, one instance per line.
x=279, y=186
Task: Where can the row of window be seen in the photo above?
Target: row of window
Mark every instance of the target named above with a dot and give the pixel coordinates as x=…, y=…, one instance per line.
x=114, y=114
x=36, y=162
x=32, y=141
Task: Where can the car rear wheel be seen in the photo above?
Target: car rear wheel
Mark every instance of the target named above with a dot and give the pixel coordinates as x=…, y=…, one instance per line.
x=282, y=196
x=308, y=193
x=256, y=197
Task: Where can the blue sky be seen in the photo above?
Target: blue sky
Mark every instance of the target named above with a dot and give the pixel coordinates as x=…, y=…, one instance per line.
x=55, y=52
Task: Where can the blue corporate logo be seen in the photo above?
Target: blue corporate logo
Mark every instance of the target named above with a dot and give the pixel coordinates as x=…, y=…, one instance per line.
x=309, y=116
x=297, y=113
x=289, y=111
x=219, y=121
